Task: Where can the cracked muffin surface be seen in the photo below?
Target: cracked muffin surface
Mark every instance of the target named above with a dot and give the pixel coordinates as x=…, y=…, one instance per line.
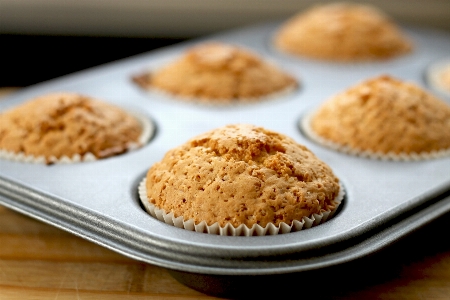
x=67, y=124
x=242, y=174
x=383, y=115
x=218, y=72
x=342, y=32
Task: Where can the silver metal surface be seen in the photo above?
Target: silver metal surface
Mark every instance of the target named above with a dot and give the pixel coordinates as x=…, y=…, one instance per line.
x=98, y=200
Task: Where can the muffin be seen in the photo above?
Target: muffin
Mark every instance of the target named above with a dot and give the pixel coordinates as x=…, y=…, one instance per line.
x=386, y=117
x=439, y=76
x=241, y=180
x=342, y=32
x=68, y=126
x=215, y=72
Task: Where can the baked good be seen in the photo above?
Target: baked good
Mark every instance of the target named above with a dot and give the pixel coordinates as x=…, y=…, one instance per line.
x=242, y=175
x=387, y=116
x=438, y=75
x=60, y=125
x=445, y=78
x=342, y=32
x=216, y=72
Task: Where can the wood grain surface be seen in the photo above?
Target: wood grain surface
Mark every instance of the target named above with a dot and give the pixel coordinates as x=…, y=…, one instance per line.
x=38, y=261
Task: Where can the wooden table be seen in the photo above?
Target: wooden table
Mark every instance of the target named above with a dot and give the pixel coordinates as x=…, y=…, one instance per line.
x=38, y=261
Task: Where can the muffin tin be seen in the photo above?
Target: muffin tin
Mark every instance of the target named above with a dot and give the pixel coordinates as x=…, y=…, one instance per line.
x=98, y=200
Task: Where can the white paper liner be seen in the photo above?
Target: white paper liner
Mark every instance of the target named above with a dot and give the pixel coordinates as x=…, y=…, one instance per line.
x=148, y=129
x=219, y=101
x=305, y=125
x=434, y=73
x=230, y=230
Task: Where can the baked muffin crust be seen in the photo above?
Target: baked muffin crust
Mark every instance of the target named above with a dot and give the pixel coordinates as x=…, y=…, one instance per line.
x=218, y=72
x=242, y=174
x=66, y=124
x=385, y=115
x=342, y=32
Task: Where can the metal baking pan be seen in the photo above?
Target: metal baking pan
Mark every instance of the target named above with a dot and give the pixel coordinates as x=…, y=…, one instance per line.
x=385, y=200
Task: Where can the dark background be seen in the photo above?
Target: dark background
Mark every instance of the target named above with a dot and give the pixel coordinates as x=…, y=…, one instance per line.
x=30, y=59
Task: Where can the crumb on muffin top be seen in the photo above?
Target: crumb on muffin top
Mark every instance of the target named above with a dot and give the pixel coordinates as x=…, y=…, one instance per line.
x=342, y=32
x=384, y=114
x=242, y=174
x=218, y=72
x=66, y=124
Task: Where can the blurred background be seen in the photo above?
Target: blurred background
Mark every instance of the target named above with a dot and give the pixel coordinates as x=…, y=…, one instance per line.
x=44, y=39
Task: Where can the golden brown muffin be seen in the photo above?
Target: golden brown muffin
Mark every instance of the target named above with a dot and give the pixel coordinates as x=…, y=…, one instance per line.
x=342, y=32
x=385, y=115
x=242, y=174
x=439, y=76
x=445, y=79
x=218, y=72
x=67, y=124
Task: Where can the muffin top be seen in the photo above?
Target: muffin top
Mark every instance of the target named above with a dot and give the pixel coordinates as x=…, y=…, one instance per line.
x=216, y=71
x=385, y=115
x=66, y=124
x=242, y=174
x=439, y=76
x=342, y=32
x=445, y=78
